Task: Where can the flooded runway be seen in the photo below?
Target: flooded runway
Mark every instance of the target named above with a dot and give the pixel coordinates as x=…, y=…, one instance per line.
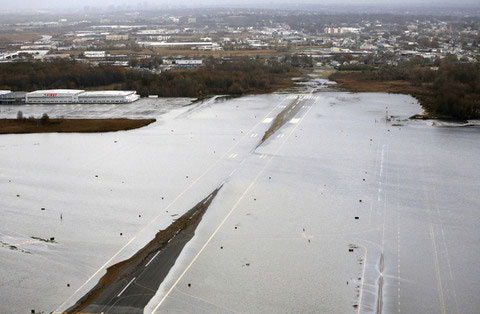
x=300, y=225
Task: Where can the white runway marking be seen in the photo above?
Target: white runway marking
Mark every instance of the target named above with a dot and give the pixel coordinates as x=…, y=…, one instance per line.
x=254, y=135
x=295, y=120
x=267, y=120
x=126, y=287
x=152, y=259
x=280, y=135
x=233, y=156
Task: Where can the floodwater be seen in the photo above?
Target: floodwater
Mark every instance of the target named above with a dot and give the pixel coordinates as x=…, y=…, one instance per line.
x=282, y=234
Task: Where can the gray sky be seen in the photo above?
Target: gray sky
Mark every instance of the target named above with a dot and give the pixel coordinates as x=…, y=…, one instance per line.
x=78, y=4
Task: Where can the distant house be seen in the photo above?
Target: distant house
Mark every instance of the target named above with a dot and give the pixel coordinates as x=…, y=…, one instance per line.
x=94, y=54
x=188, y=63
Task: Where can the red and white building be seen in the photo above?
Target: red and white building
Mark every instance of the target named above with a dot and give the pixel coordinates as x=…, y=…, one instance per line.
x=75, y=96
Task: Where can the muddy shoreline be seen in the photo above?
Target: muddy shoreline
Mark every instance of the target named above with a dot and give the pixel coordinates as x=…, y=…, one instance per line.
x=14, y=126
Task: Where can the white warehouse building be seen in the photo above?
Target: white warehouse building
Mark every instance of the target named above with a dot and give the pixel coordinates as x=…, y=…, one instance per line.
x=53, y=96
x=73, y=96
x=108, y=97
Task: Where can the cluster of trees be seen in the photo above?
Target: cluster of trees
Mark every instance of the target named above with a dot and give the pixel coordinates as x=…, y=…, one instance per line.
x=150, y=63
x=299, y=61
x=28, y=76
x=44, y=120
x=233, y=77
x=450, y=87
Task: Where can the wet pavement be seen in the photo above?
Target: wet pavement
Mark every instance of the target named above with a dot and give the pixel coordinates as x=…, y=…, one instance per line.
x=300, y=224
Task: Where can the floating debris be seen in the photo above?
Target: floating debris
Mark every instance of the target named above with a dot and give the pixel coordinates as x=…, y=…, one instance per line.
x=51, y=240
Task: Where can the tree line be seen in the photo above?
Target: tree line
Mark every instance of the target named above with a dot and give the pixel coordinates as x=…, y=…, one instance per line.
x=450, y=87
x=216, y=77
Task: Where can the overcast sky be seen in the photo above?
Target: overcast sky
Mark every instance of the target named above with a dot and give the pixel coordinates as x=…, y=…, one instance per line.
x=13, y=5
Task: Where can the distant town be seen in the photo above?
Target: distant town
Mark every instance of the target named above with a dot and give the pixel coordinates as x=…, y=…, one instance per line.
x=159, y=41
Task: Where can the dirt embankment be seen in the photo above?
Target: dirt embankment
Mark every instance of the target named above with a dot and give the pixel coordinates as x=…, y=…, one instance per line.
x=14, y=126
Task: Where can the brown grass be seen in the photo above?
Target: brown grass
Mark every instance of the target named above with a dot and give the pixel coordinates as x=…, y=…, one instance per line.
x=353, y=82
x=13, y=126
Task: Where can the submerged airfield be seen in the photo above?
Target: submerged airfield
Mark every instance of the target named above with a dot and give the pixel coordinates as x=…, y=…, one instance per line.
x=314, y=203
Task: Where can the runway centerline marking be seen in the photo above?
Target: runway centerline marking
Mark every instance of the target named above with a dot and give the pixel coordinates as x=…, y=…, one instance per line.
x=123, y=290
x=146, y=265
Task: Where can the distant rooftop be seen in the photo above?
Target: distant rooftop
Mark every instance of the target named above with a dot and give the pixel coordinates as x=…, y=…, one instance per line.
x=108, y=93
x=57, y=91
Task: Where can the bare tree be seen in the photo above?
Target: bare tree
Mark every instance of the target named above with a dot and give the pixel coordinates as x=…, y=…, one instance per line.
x=45, y=119
x=20, y=116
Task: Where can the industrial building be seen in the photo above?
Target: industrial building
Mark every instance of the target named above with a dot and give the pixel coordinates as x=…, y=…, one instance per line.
x=12, y=98
x=74, y=96
x=108, y=97
x=53, y=96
